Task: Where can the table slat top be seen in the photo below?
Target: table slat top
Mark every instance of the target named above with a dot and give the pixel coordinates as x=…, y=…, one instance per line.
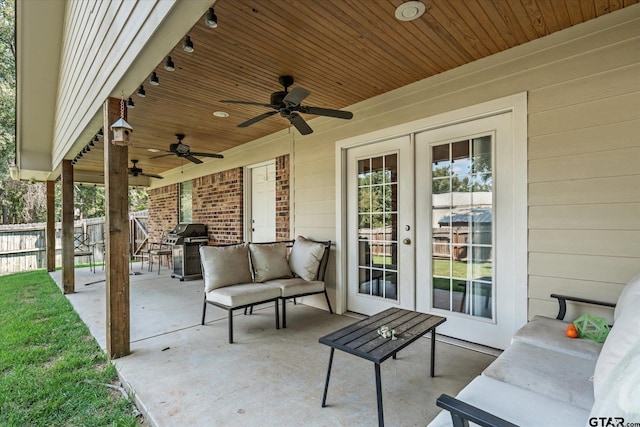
x=362, y=338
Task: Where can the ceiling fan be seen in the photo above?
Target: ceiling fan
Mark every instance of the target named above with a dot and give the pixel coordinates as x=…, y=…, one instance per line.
x=287, y=103
x=184, y=151
x=136, y=171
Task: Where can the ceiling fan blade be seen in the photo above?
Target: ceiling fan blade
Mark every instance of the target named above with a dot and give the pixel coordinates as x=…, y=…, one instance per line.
x=256, y=119
x=161, y=155
x=302, y=126
x=228, y=101
x=151, y=175
x=295, y=97
x=192, y=159
x=216, y=156
x=339, y=114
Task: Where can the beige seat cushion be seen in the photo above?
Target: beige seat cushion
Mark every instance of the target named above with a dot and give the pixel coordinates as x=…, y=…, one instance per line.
x=297, y=286
x=225, y=265
x=517, y=405
x=269, y=261
x=550, y=373
x=550, y=333
x=243, y=294
x=305, y=258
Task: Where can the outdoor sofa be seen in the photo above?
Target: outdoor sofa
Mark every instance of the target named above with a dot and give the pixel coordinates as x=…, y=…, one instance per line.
x=545, y=378
x=244, y=275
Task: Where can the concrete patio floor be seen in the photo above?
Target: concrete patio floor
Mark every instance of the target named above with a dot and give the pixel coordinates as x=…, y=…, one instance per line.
x=182, y=373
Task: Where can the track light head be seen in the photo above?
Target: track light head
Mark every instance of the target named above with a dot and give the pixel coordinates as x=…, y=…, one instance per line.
x=169, y=65
x=101, y=132
x=130, y=103
x=211, y=20
x=153, y=80
x=141, y=92
x=187, y=44
x=95, y=139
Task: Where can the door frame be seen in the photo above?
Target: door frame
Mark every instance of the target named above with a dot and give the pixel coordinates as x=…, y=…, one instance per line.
x=517, y=105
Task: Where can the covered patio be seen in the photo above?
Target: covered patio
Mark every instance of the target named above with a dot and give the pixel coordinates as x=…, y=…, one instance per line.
x=181, y=373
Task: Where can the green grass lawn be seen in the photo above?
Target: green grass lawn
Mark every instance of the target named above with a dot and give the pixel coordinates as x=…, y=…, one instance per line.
x=52, y=371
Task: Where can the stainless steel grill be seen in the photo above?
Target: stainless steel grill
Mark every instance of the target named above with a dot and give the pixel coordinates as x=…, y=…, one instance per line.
x=185, y=240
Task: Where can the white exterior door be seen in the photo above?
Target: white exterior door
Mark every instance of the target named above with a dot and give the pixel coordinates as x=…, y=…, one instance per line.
x=263, y=203
x=380, y=226
x=464, y=199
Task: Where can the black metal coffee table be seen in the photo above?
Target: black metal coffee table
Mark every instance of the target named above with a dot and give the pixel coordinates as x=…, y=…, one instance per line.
x=362, y=339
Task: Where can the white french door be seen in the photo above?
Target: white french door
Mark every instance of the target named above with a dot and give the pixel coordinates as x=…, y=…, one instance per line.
x=464, y=196
x=434, y=222
x=380, y=220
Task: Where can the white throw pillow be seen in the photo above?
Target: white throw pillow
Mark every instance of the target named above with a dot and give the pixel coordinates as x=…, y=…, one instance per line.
x=305, y=258
x=225, y=266
x=624, y=335
x=619, y=398
x=624, y=300
x=269, y=261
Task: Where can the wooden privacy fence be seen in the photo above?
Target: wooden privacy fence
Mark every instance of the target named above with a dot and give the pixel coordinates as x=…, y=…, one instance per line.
x=23, y=246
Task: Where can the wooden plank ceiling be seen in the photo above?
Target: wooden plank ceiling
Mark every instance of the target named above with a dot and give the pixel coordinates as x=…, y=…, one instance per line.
x=342, y=51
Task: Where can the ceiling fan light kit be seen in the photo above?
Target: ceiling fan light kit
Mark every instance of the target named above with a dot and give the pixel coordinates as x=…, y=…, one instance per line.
x=287, y=103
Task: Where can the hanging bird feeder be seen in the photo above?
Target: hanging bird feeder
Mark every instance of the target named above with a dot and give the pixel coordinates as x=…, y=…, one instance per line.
x=121, y=129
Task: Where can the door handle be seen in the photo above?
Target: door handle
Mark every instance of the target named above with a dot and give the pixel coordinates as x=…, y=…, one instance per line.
x=406, y=241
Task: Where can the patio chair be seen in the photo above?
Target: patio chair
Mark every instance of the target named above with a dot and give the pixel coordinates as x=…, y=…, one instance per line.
x=83, y=248
x=159, y=250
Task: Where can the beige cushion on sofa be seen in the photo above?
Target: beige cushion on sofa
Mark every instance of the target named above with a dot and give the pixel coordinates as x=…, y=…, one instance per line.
x=269, y=261
x=556, y=375
x=244, y=294
x=619, y=396
x=624, y=335
x=305, y=258
x=551, y=333
x=297, y=286
x=225, y=265
x=624, y=300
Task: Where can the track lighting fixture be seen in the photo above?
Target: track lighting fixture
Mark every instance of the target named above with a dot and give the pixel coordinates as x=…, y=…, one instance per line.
x=92, y=144
x=130, y=103
x=154, y=79
x=168, y=64
x=101, y=132
x=187, y=44
x=141, y=92
x=211, y=20
x=95, y=138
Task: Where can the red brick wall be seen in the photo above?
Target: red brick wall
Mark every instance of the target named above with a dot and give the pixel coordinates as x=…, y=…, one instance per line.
x=217, y=202
x=163, y=210
x=282, y=198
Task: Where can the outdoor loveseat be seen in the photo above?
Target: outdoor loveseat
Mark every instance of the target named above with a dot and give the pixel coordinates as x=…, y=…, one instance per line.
x=545, y=378
x=244, y=275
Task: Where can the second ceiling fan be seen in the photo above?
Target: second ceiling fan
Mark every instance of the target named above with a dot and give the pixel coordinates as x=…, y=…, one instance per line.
x=184, y=151
x=287, y=103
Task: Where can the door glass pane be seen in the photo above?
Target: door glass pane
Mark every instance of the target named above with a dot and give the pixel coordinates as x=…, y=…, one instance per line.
x=378, y=226
x=462, y=218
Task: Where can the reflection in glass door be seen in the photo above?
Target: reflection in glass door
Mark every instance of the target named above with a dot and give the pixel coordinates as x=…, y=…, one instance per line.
x=462, y=219
x=378, y=226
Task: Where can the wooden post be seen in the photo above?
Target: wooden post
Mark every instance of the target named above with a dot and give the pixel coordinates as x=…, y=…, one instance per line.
x=68, y=259
x=51, y=226
x=116, y=184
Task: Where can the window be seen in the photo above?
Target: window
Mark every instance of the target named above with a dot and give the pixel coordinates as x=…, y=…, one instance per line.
x=186, y=211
